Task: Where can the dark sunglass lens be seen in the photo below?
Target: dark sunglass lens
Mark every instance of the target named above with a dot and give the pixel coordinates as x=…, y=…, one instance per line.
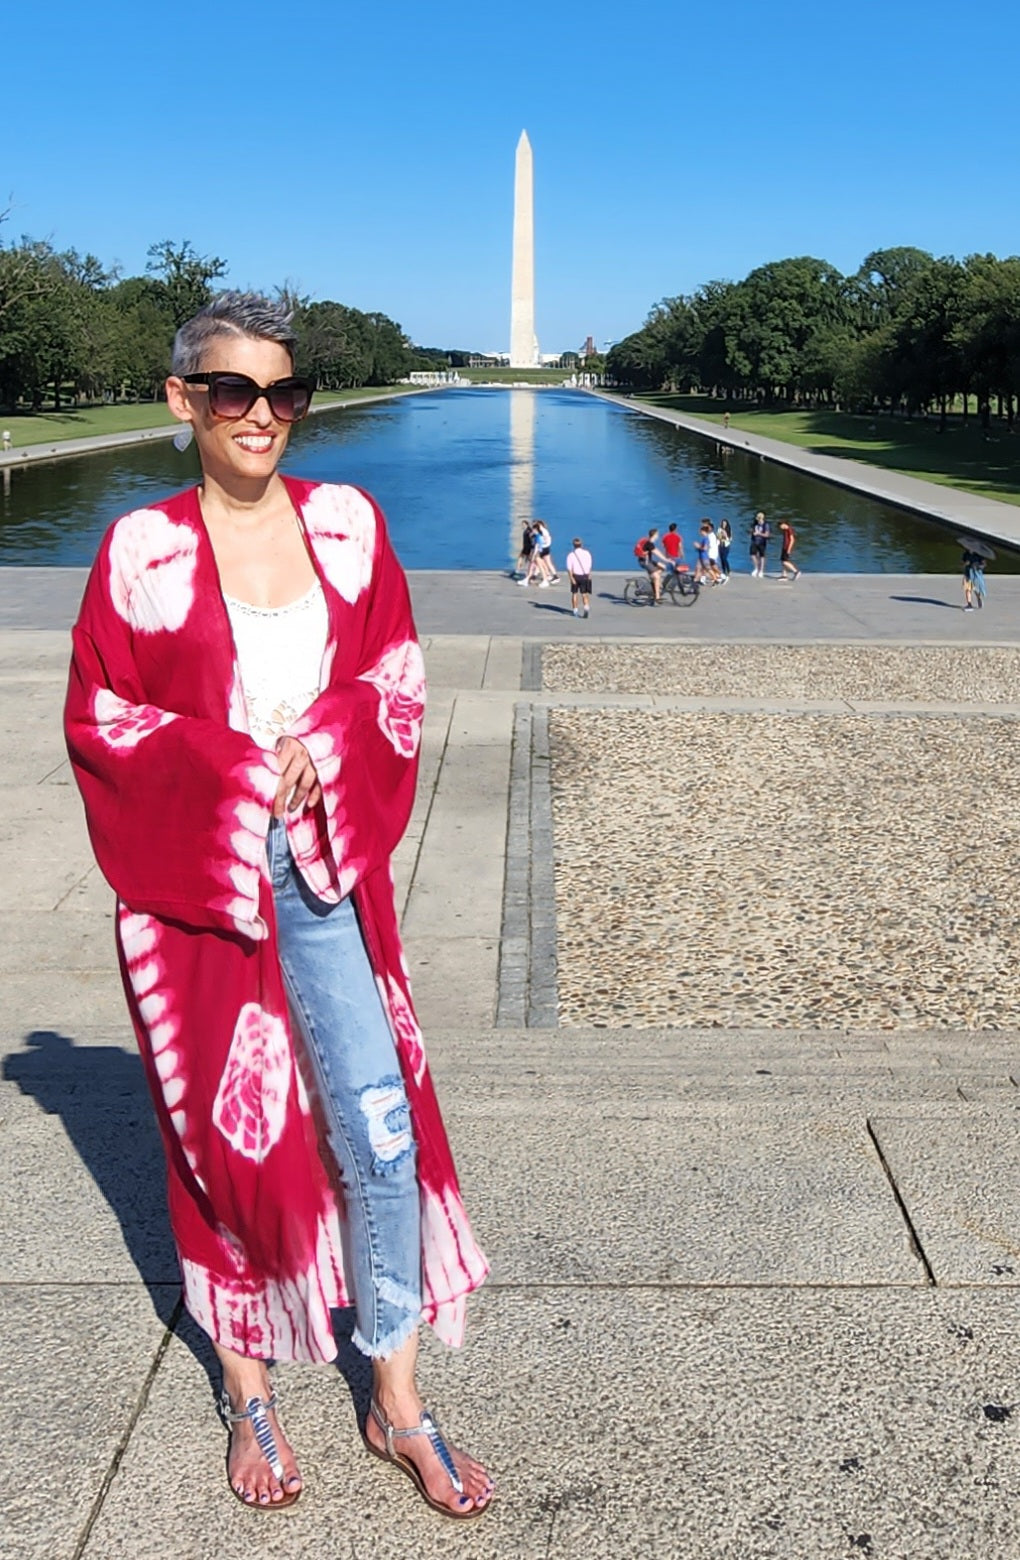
x=289, y=400
x=232, y=395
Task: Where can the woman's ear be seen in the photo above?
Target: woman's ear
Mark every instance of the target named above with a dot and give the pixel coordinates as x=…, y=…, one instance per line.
x=177, y=399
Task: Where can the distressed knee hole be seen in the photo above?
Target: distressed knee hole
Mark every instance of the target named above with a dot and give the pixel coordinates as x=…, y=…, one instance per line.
x=384, y=1107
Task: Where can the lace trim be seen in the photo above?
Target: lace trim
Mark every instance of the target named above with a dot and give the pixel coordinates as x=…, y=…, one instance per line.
x=247, y=609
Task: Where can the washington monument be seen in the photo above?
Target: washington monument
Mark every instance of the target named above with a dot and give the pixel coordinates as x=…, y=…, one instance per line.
x=523, y=341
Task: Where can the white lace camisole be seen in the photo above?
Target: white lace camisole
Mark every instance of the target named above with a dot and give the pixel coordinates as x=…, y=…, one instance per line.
x=279, y=652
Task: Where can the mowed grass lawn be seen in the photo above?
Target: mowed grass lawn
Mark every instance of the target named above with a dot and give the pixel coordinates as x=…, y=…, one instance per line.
x=961, y=457
x=88, y=422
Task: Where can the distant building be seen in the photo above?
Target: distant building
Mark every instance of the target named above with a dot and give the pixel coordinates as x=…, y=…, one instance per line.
x=434, y=376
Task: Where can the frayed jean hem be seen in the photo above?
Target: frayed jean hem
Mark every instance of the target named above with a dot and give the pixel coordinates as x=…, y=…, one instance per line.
x=394, y=1339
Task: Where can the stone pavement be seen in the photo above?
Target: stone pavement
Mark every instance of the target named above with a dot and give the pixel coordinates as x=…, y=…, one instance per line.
x=754, y=1285
x=838, y=608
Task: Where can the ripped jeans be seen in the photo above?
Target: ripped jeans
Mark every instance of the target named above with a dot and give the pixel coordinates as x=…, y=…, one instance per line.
x=339, y=1013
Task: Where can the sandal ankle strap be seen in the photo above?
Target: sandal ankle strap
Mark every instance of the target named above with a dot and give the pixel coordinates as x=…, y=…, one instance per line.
x=234, y=1416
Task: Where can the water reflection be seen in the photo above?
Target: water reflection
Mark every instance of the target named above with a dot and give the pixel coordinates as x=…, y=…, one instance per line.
x=522, y=465
x=458, y=472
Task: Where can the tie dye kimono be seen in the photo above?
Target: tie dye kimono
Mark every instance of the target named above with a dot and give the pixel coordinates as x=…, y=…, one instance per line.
x=178, y=797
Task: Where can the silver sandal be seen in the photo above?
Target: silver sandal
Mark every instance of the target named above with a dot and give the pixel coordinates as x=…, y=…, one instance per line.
x=426, y=1426
x=258, y=1410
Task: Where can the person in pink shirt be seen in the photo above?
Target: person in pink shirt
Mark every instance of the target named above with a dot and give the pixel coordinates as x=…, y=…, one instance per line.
x=579, y=566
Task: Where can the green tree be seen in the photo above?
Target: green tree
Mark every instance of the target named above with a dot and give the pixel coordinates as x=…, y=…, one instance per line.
x=183, y=277
x=793, y=325
x=988, y=331
x=925, y=342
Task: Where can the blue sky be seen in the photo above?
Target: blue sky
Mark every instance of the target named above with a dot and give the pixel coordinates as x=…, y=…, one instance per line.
x=366, y=152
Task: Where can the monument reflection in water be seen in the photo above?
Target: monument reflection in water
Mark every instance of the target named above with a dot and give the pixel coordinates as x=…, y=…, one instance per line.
x=459, y=471
x=522, y=465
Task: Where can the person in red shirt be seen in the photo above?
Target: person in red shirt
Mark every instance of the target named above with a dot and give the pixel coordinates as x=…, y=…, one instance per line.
x=789, y=541
x=673, y=546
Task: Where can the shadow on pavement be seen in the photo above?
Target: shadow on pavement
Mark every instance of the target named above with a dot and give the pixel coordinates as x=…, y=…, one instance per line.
x=927, y=601
x=101, y=1096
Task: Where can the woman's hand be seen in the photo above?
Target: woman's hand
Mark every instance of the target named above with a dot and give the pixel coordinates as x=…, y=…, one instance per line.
x=299, y=784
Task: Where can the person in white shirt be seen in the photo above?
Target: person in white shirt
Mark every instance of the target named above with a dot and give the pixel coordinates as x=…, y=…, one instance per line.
x=579, y=567
x=543, y=547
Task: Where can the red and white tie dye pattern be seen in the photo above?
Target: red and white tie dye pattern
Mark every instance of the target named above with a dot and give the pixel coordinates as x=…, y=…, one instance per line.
x=251, y=1102
x=152, y=570
x=399, y=676
x=340, y=523
x=178, y=800
x=397, y=1007
x=123, y=725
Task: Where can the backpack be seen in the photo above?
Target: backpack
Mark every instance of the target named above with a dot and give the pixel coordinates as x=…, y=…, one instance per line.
x=640, y=547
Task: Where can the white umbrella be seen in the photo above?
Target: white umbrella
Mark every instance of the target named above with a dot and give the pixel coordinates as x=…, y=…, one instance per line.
x=974, y=544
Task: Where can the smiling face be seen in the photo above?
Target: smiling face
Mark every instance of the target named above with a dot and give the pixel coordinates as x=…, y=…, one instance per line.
x=244, y=449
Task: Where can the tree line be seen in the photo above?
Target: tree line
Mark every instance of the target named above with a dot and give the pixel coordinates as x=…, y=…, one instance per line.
x=906, y=332
x=72, y=329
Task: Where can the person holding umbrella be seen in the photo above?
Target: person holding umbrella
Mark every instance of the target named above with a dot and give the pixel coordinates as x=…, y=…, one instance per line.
x=975, y=554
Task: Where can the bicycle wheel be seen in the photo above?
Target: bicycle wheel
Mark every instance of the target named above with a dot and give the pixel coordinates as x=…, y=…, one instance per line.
x=687, y=592
x=636, y=591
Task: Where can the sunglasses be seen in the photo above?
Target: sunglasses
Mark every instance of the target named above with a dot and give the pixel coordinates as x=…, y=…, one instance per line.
x=234, y=395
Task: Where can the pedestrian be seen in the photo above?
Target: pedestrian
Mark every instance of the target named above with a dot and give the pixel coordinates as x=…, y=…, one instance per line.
x=522, y=566
x=543, y=547
x=760, y=534
x=7, y=440
x=579, y=567
x=673, y=546
x=725, y=535
x=973, y=565
x=715, y=572
x=789, y=570
x=243, y=718
x=653, y=560
x=705, y=570
x=534, y=573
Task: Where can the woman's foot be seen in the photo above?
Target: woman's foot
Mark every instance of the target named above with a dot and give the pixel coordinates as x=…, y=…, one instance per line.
x=404, y=1413
x=251, y=1478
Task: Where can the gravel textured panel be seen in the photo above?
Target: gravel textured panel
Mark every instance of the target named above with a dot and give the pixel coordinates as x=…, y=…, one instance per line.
x=928, y=673
x=775, y=870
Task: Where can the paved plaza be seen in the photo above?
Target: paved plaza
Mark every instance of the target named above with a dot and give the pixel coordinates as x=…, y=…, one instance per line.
x=711, y=918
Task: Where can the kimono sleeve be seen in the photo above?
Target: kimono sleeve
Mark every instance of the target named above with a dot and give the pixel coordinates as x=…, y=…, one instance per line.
x=177, y=806
x=363, y=735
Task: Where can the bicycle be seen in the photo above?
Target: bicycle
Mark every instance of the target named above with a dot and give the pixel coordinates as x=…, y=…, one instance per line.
x=678, y=586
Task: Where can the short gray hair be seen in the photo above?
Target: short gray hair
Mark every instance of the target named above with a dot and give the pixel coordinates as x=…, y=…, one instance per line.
x=231, y=314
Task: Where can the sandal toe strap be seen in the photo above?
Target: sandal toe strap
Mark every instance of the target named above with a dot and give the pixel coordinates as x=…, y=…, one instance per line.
x=257, y=1410
x=428, y=1426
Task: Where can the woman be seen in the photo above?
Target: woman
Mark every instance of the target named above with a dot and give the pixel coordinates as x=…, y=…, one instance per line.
x=243, y=716
x=522, y=568
x=541, y=557
x=725, y=535
x=973, y=579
